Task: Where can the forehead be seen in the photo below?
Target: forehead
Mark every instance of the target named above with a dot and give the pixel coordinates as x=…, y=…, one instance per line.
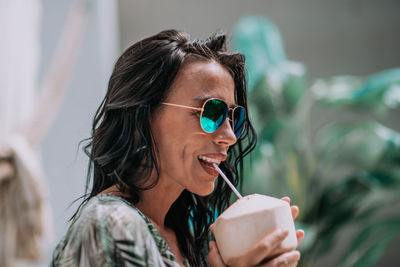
x=203, y=79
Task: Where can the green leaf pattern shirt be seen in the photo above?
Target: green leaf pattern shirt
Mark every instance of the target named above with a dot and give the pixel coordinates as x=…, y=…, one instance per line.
x=109, y=231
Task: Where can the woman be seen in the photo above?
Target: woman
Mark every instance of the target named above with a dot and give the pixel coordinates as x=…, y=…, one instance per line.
x=161, y=126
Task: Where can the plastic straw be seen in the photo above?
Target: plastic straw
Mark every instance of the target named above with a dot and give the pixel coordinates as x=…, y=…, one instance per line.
x=227, y=181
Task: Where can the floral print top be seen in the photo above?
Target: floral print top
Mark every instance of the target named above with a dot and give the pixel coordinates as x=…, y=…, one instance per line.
x=109, y=231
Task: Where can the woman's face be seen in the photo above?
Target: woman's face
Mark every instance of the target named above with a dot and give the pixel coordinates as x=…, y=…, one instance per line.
x=183, y=146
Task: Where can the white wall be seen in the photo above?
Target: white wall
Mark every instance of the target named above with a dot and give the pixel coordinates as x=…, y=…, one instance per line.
x=66, y=165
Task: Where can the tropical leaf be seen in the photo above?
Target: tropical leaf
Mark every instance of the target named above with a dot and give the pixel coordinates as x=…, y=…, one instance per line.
x=294, y=86
x=380, y=91
x=260, y=41
x=356, y=145
x=342, y=175
x=338, y=90
x=379, y=88
x=370, y=243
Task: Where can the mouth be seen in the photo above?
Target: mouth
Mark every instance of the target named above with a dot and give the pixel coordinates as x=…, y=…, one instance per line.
x=207, y=164
x=208, y=161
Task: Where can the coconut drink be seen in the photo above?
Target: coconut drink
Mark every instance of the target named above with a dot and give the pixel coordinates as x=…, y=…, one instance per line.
x=249, y=219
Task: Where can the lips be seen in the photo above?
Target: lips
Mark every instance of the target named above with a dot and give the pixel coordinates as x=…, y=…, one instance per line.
x=207, y=161
x=209, y=168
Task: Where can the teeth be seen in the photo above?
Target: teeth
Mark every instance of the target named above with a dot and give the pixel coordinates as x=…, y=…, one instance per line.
x=210, y=160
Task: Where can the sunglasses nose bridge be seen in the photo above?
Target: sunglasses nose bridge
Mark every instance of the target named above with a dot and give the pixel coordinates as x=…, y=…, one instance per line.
x=228, y=118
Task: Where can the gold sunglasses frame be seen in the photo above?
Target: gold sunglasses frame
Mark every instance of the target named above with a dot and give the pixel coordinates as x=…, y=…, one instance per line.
x=231, y=110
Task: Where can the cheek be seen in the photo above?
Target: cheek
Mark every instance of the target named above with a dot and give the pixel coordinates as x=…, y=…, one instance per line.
x=178, y=137
x=171, y=139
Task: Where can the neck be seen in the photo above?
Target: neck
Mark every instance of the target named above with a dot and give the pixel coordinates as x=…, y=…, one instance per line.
x=156, y=201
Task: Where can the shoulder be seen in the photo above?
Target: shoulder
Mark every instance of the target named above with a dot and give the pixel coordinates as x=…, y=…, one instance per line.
x=113, y=213
x=103, y=228
x=112, y=216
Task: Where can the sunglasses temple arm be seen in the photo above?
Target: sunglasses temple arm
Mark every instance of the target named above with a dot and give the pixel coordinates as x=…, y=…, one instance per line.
x=180, y=106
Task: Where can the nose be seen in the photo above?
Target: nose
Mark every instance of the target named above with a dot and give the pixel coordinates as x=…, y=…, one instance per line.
x=225, y=135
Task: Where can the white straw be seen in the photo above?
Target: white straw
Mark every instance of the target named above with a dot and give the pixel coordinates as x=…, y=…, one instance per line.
x=227, y=181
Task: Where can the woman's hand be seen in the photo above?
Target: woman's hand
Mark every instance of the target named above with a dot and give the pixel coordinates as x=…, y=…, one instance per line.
x=261, y=251
x=257, y=255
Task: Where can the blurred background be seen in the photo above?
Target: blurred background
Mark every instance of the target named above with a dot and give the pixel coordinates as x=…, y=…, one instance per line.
x=329, y=125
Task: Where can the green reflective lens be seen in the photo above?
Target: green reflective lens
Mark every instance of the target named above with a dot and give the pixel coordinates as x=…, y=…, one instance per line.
x=238, y=120
x=214, y=115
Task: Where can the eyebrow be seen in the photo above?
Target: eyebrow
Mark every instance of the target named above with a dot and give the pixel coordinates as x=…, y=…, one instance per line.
x=202, y=98
x=206, y=97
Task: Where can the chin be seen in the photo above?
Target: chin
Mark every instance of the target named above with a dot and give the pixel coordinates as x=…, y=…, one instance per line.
x=204, y=191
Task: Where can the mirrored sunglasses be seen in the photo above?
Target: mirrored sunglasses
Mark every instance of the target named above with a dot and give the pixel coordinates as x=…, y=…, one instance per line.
x=214, y=113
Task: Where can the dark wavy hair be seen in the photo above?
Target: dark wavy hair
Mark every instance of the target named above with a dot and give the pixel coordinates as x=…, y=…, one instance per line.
x=122, y=151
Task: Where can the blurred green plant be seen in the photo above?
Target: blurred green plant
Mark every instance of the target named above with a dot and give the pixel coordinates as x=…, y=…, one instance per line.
x=341, y=167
